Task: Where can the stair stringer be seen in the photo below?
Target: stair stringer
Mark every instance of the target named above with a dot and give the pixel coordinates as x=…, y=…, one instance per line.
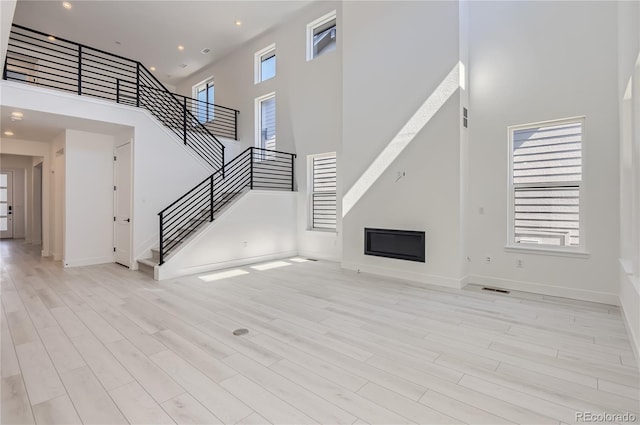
x=259, y=226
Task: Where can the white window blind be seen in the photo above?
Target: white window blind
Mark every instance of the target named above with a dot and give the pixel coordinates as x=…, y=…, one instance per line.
x=323, y=192
x=268, y=123
x=546, y=163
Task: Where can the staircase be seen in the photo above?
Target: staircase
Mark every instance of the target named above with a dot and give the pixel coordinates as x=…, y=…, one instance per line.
x=255, y=168
x=41, y=59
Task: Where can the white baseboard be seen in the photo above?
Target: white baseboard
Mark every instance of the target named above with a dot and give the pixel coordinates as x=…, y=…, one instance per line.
x=163, y=273
x=629, y=292
x=540, y=288
x=318, y=256
x=88, y=261
x=417, y=278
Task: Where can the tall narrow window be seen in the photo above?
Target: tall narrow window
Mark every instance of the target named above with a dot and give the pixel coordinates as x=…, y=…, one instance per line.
x=266, y=123
x=265, y=64
x=321, y=35
x=203, y=95
x=546, y=183
x=322, y=191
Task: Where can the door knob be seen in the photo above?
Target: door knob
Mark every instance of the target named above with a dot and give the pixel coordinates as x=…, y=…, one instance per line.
x=128, y=220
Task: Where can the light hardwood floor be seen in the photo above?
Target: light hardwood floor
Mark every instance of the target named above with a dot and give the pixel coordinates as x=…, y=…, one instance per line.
x=103, y=344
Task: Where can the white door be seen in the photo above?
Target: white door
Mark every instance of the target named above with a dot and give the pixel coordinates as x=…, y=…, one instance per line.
x=6, y=204
x=122, y=222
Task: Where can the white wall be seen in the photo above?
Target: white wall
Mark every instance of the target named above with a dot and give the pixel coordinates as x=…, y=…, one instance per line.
x=530, y=62
x=239, y=236
x=22, y=192
x=389, y=70
x=57, y=230
x=89, y=198
x=40, y=150
x=7, y=8
x=163, y=168
x=308, y=105
x=629, y=104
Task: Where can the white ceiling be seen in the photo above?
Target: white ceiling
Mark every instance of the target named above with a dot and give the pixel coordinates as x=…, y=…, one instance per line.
x=148, y=31
x=43, y=127
x=151, y=30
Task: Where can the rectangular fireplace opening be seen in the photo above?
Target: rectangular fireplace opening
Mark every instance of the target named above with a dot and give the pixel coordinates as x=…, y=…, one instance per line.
x=400, y=244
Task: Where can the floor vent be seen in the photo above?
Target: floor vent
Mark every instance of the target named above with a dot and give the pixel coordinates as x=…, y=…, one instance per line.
x=239, y=332
x=502, y=291
x=311, y=259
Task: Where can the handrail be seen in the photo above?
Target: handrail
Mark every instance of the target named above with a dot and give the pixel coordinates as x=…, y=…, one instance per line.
x=37, y=58
x=254, y=168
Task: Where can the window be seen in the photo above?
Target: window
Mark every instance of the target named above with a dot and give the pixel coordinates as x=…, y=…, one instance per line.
x=265, y=64
x=266, y=122
x=322, y=191
x=546, y=183
x=203, y=94
x=321, y=36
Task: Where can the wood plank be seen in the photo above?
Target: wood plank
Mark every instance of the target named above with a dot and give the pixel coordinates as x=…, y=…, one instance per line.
x=263, y=402
x=223, y=405
x=40, y=376
x=57, y=411
x=93, y=404
x=352, y=402
x=15, y=403
x=157, y=383
x=103, y=364
x=184, y=409
x=307, y=402
x=137, y=406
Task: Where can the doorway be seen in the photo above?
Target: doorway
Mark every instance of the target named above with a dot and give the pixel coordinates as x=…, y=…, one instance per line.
x=122, y=205
x=6, y=204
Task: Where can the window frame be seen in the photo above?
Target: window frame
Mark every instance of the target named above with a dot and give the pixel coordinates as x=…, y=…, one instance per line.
x=579, y=250
x=258, y=58
x=208, y=82
x=311, y=193
x=258, y=120
x=312, y=26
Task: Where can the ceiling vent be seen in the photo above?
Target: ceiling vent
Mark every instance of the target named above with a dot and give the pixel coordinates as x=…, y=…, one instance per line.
x=184, y=65
x=205, y=51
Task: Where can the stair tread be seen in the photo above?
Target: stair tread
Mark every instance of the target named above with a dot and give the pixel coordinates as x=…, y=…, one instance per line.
x=149, y=262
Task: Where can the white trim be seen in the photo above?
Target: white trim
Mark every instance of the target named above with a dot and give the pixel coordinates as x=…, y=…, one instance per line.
x=540, y=250
x=194, y=88
x=418, y=279
x=258, y=118
x=571, y=251
x=315, y=24
x=257, y=62
x=88, y=261
x=544, y=289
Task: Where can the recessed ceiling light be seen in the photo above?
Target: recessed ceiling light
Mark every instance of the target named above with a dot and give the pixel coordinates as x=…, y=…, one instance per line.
x=152, y=68
x=66, y=5
x=8, y=133
x=51, y=38
x=181, y=47
x=238, y=23
x=16, y=116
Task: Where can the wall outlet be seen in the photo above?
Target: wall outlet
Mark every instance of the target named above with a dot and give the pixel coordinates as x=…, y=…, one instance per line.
x=246, y=243
x=487, y=259
x=519, y=264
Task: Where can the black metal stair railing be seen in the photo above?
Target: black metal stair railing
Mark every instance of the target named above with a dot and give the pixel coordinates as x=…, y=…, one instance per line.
x=255, y=168
x=41, y=59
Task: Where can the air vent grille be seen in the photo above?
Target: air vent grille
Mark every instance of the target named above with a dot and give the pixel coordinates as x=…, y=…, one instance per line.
x=502, y=291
